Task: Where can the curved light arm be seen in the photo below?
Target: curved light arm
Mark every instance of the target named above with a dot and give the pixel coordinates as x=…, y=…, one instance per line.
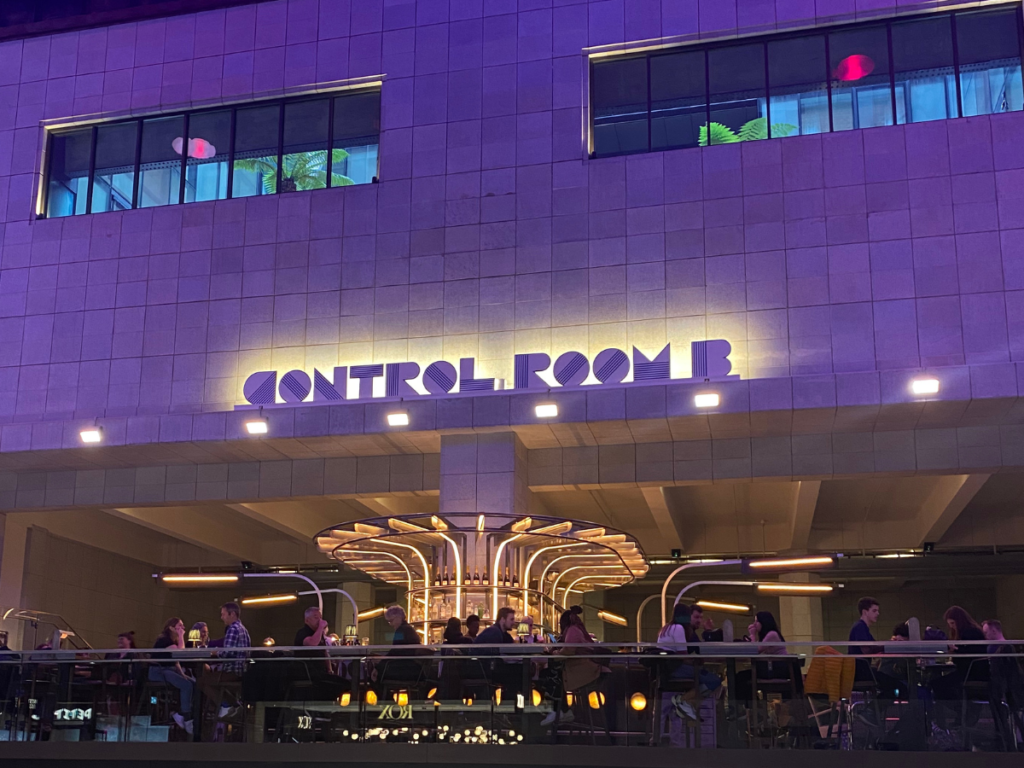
x=688, y=587
x=640, y=613
x=554, y=587
x=397, y=559
x=458, y=571
x=316, y=590
x=426, y=582
x=544, y=573
x=497, y=561
x=587, y=577
x=529, y=564
x=680, y=569
x=355, y=608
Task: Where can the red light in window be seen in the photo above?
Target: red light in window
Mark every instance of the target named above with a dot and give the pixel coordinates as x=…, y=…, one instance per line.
x=200, y=149
x=854, y=67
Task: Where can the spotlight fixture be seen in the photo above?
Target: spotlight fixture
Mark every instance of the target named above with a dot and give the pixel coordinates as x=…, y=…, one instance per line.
x=256, y=426
x=400, y=419
x=707, y=400
x=91, y=435
x=925, y=386
x=546, y=411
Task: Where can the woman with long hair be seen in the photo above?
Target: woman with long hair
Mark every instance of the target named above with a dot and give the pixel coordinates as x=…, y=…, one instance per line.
x=764, y=631
x=675, y=638
x=580, y=669
x=949, y=689
x=164, y=669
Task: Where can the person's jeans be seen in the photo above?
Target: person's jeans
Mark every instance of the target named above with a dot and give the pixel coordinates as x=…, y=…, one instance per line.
x=708, y=679
x=185, y=686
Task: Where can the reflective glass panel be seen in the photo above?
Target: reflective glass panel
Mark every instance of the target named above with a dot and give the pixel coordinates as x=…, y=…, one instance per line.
x=678, y=99
x=255, y=168
x=160, y=168
x=113, y=182
x=206, y=172
x=859, y=69
x=356, y=138
x=619, y=101
x=305, y=145
x=922, y=53
x=796, y=77
x=68, y=172
x=738, y=94
x=989, y=52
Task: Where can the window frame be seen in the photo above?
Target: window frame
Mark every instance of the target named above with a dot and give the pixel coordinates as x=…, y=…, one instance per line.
x=764, y=40
x=329, y=96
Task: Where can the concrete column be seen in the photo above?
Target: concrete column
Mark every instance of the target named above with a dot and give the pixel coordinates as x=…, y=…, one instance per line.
x=484, y=472
x=13, y=557
x=800, y=617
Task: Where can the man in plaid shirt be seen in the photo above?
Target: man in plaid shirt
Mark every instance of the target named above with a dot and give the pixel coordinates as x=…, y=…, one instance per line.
x=214, y=683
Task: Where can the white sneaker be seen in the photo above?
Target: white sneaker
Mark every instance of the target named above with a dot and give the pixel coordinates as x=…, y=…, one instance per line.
x=227, y=711
x=181, y=722
x=567, y=717
x=549, y=718
x=683, y=708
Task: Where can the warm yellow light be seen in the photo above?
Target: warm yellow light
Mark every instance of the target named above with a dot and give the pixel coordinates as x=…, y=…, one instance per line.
x=398, y=419
x=546, y=411
x=707, y=400
x=91, y=435
x=925, y=386
x=568, y=698
x=793, y=562
x=438, y=523
x=638, y=702
x=497, y=696
x=522, y=525
x=468, y=701
x=612, y=618
x=537, y=697
x=402, y=697
x=595, y=699
x=345, y=700
x=481, y=522
x=371, y=697
x=372, y=613
x=256, y=427
x=794, y=589
x=198, y=578
x=713, y=605
x=431, y=693
x=269, y=642
x=269, y=600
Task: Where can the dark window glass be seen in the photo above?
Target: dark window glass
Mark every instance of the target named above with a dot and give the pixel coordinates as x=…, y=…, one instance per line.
x=255, y=169
x=988, y=47
x=922, y=58
x=356, y=139
x=68, y=172
x=305, y=145
x=209, y=141
x=678, y=99
x=620, y=106
x=859, y=68
x=796, y=77
x=738, y=94
x=113, y=182
x=160, y=169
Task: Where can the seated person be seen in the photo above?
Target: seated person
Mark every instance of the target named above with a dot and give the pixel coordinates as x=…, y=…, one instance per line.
x=313, y=634
x=705, y=626
x=896, y=668
x=404, y=635
x=1006, y=684
x=674, y=638
x=949, y=688
x=765, y=631
x=168, y=671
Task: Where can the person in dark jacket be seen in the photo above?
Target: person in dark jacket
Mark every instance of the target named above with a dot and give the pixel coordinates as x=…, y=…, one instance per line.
x=949, y=688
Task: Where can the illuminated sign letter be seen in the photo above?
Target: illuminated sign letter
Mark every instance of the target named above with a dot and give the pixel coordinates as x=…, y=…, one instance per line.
x=366, y=374
x=710, y=359
x=294, y=386
x=466, y=381
x=646, y=370
x=571, y=369
x=526, y=367
x=259, y=387
x=439, y=378
x=396, y=379
x=330, y=391
x=611, y=366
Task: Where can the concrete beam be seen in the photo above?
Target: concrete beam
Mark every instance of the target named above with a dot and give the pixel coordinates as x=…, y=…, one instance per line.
x=672, y=537
x=945, y=503
x=805, y=501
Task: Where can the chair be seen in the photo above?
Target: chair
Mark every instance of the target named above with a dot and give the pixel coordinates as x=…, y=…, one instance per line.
x=663, y=683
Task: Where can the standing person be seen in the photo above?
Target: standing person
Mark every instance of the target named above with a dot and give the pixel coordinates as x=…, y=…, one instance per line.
x=472, y=626
x=169, y=671
x=229, y=671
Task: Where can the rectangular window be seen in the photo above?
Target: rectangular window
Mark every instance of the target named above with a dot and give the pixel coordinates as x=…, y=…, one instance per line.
x=738, y=94
x=209, y=145
x=678, y=99
x=620, y=106
x=797, y=83
x=859, y=71
x=113, y=182
x=254, y=149
x=988, y=47
x=160, y=167
x=846, y=77
x=922, y=59
x=68, y=188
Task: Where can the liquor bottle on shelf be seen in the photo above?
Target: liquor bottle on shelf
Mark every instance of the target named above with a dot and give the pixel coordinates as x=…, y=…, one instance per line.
x=437, y=580
x=483, y=579
x=476, y=578
x=508, y=578
x=515, y=580
x=469, y=578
